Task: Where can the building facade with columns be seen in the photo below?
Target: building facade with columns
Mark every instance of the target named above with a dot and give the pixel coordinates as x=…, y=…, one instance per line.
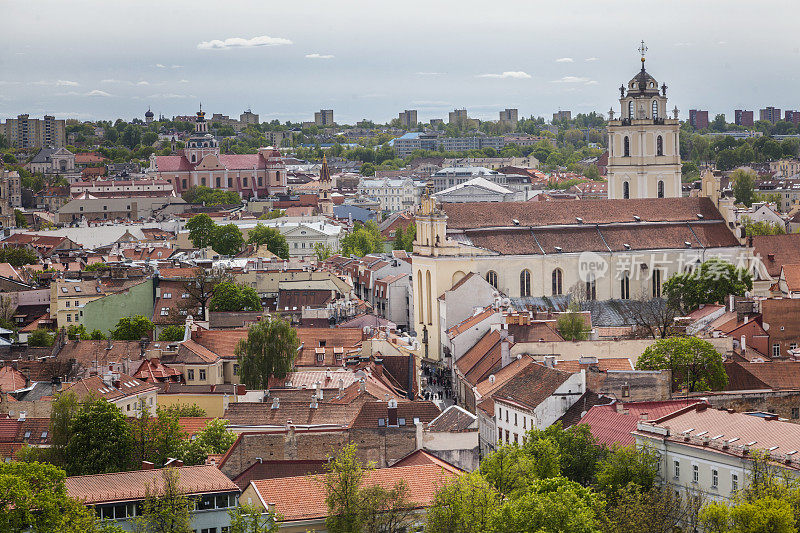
x=643, y=148
x=201, y=164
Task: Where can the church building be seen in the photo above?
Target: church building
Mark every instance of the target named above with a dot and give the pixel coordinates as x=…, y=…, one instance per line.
x=644, y=158
x=201, y=164
x=624, y=247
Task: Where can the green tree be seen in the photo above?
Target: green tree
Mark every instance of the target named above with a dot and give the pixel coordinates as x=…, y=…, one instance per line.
x=77, y=332
x=624, y=465
x=97, y=335
x=201, y=230
x=463, y=505
x=342, y=483
x=743, y=186
x=19, y=219
x=227, y=240
x=200, y=287
x=578, y=451
x=572, y=326
x=208, y=196
x=212, y=439
x=762, y=227
x=35, y=499
x=229, y=296
x=275, y=213
x=712, y=282
x=172, y=333
x=269, y=350
x=322, y=251
x=165, y=508
x=63, y=411
x=694, y=362
x=271, y=237
x=17, y=257
x=248, y=519
x=94, y=267
x=553, y=505
x=101, y=440
x=363, y=240
x=764, y=515
x=510, y=470
x=40, y=337
x=132, y=328
x=657, y=510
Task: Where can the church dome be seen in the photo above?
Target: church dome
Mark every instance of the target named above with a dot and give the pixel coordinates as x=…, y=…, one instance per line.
x=149, y=114
x=642, y=84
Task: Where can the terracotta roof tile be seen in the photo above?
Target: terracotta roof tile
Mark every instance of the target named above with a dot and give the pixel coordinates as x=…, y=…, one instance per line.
x=784, y=249
x=11, y=379
x=303, y=497
x=610, y=426
x=530, y=387
x=453, y=419
x=130, y=486
x=279, y=469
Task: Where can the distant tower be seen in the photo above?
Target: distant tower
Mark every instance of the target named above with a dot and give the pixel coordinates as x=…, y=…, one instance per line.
x=325, y=202
x=201, y=143
x=148, y=117
x=643, y=149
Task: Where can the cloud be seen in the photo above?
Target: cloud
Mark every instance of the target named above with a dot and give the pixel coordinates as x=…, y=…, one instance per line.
x=572, y=79
x=588, y=59
x=143, y=83
x=177, y=66
x=516, y=75
x=113, y=80
x=430, y=73
x=97, y=92
x=67, y=83
x=159, y=65
x=565, y=60
x=170, y=96
x=592, y=82
x=319, y=56
x=183, y=81
x=238, y=42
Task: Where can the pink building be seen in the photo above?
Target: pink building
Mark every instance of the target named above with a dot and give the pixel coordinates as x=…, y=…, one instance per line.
x=201, y=164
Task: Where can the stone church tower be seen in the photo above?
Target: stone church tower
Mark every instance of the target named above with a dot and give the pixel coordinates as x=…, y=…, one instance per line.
x=643, y=150
x=325, y=202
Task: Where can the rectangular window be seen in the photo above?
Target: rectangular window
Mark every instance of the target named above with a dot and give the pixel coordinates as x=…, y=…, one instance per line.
x=506, y=415
x=516, y=438
x=695, y=473
x=677, y=469
x=524, y=422
x=776, y=350
x=500, y=435
x=734, y=482
x=167, y=295
x=190, y=374
x=202, y=374
x=714, y=478
x=235, y=369
x=507, y=439
x=230, y=182
x=66, y=304
x=515, y=419
x=69, y=318
x=244, y=182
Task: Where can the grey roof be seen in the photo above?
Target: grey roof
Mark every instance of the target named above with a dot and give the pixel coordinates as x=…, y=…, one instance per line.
x=44, y=155
x=605, y=313
x=358, y=213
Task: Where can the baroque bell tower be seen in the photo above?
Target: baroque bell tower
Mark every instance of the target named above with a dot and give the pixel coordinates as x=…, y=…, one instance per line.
x=644, y=158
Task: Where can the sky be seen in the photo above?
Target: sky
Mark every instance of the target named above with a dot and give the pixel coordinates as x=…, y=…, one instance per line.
x=108, y=59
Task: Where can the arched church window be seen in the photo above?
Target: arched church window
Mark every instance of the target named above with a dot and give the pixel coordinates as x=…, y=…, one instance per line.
x=661, y=189
x=525, y=283
x=630, y=109
x=627, y=147
x=655, y=108
x=491, y=277
x=659, y=145
x=557, y=282
x=626, y=190
x=194, y=158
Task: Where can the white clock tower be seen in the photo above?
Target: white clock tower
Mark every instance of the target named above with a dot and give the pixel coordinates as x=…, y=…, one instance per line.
x=644, y=158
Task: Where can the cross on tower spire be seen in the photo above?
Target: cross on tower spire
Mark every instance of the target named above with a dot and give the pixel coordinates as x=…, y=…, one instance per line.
x=642, y=51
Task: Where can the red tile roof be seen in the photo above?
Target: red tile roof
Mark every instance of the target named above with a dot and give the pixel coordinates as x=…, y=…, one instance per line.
x=303, y=497
x=612, y=426
x=131, y=486
x=784, y=249
x=11, y=379
x=279, y=469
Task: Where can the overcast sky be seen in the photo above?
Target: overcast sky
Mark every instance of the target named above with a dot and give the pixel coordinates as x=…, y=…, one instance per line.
x=104, y=59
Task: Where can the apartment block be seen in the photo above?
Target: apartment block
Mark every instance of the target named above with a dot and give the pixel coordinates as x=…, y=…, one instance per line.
x=562, y=115
x=698, y=119
x=26, y=132
x=771, y=114
x=792, y=116
x=743, y=118
x=324, y=117
x=509, y=116
x=408, y=118
x=248, y=117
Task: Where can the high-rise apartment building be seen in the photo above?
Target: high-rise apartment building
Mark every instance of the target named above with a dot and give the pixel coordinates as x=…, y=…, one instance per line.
x=771, y=114
x=792, y=116
x=698, y=119
x=509, y=116
x=248, y=117
x=562, y=115
x=324, y=118
x=408, y=118
x=743, y=117
x=26, y=132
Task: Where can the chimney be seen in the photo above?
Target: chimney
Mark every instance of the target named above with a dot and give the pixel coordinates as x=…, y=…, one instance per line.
x=731, y=303
x=505, y=348
x=147, y=465
x=392, y=412
x=744, y=344
x=550, y=360
x=314, y=403
x=341, y=386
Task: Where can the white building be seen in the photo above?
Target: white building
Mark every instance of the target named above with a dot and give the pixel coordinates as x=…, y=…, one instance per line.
x=643, y=149
x=393, y=194
x=302, y=233
x=477, y=190
x=452, y=176
x=710, y=451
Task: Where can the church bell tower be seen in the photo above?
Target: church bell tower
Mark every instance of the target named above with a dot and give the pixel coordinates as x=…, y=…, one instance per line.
x=643, y=149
